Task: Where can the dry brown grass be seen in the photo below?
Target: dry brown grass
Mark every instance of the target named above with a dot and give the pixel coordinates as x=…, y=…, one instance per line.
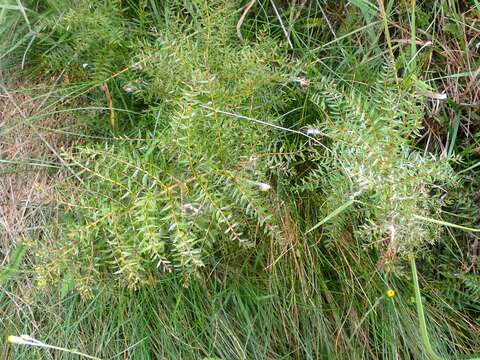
x=25, y=187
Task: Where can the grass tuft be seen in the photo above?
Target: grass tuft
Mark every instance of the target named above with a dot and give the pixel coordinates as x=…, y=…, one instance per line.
x=239, y=180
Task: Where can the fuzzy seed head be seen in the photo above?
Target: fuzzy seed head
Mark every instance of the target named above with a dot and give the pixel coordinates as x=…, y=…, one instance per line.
x=128, y=88
x=263, y=187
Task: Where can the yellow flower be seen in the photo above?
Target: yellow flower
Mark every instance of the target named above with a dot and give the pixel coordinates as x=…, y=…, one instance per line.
x=41, y=283
x=390, y=293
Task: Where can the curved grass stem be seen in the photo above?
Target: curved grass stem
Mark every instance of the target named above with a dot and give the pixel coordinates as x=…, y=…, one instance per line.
x=421, y=316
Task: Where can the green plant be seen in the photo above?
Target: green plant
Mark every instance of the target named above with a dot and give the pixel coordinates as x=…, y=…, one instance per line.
x=260, y=195
x=196, y=180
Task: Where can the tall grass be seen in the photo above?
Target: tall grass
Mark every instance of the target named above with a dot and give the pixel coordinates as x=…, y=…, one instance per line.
x=172, y=109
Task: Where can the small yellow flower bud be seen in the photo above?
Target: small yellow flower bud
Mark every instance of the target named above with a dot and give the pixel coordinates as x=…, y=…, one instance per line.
x=41, y=283
x=16, y=340
x=390, y=293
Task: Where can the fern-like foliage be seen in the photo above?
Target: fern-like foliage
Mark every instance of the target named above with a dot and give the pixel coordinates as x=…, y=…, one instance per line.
x=367, y=159
x=196, y=172
x=85, y=39
x=196, y=179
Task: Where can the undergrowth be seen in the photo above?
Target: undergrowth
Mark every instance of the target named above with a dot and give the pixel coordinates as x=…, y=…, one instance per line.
x=254, y=196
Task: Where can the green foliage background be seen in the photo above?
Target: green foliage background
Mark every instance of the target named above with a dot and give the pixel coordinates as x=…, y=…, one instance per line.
x=242, y=199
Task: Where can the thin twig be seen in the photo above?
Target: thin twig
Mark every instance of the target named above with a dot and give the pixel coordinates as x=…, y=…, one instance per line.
x=242, y=18
x=281, y=24
x=328, y=21
x=110, y=103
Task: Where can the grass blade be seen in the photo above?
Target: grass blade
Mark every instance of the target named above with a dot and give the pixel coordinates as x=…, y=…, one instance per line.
x=333, y=214
x=446, y=223
x=15, y=261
